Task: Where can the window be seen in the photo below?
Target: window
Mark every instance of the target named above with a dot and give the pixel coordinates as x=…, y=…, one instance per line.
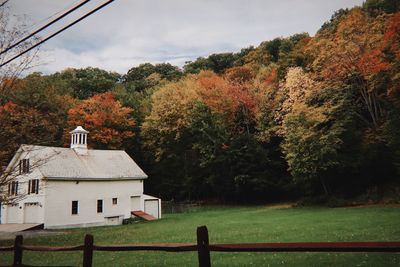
x=33, y=186
x=115, y=201
x=99, y=206
x=24, y=166
x=74, y=207
x=13, y=188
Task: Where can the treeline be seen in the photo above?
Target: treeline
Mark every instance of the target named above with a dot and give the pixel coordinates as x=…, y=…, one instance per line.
x=293, y=117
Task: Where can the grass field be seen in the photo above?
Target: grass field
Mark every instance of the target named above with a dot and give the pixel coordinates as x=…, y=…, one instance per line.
x=235, y=225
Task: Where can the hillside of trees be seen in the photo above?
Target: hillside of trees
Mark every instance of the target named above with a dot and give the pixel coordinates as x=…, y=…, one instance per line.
x=295, y=117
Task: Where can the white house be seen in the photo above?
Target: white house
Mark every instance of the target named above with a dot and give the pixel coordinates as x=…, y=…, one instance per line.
x=76, y=186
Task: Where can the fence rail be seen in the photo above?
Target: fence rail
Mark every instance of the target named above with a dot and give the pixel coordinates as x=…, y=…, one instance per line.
x=202, y=247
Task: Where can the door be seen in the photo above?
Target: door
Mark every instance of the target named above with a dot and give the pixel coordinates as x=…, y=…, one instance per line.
x=12, y=214
x=135, y=203
x=151, y=207
x=31, y=213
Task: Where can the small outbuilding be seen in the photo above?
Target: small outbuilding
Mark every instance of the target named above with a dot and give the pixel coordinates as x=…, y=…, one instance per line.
x=75, y=187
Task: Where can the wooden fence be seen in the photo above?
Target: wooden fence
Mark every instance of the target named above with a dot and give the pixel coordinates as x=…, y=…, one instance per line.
x=203, y=248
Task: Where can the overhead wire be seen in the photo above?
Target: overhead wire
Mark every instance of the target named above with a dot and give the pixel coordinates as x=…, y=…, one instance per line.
x=44, y=27
x=57, y=32
x=52, y=16
x=3, y=3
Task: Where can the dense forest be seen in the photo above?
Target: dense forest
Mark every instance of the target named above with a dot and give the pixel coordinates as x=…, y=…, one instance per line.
x=295, y=117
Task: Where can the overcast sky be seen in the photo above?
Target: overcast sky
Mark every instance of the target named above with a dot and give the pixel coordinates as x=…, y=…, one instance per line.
x=129, y=32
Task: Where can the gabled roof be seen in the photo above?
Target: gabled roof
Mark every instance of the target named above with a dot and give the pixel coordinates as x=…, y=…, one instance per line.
x=65, y=164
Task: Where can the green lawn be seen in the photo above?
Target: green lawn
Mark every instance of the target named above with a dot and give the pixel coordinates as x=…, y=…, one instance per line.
x=236, y=225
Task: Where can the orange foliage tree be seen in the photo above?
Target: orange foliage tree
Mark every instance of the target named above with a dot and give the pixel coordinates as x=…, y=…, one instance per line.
x=353, y=49
x=233, y=100
x=240, y=74
x=172, y=107
x=24, y=125
x=109, y=123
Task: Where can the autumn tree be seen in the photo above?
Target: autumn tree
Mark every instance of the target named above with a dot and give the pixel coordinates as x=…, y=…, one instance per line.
x=285, y=52
x=312, y=130
x=352, y=53
x=33, y=113
x=202, y=127
x=240, y=74
x=25, y=124
x=166, y=138
x=231, y=99
x=358, y=55
x=109, y=123
x=391, y=49
x=22, y=125
x=171, y=105
x=169, y=115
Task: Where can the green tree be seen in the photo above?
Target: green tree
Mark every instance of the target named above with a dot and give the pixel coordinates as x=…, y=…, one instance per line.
x=374, y=7
x=231, y=166
x=148, y=75
x=217, y=63
x=87, y=82
x=311, y=145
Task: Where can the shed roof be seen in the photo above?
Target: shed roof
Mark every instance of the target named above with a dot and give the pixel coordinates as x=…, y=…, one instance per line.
x=65, y=164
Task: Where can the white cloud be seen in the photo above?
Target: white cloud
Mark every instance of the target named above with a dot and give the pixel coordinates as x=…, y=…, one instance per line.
x=129, y=32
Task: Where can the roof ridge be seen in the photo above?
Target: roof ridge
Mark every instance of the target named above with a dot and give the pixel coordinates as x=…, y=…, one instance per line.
x=98, y=163
x=61, y=147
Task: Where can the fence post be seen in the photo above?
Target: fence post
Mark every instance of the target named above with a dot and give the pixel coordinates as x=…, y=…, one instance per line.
x=18, y=250
x=202, y=247
x=88, y=251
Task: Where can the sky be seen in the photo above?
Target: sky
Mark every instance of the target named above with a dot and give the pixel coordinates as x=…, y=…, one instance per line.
x=127, y=33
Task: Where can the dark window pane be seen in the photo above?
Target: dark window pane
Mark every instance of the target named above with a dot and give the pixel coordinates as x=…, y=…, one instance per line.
x=99, y=206
x=74, y=207
x=16, y=188
x=24, y=166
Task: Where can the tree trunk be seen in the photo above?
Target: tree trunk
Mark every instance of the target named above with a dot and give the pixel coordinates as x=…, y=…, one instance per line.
x=324, y=186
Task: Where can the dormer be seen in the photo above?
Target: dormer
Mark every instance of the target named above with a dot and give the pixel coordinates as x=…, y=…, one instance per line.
x=79, y=140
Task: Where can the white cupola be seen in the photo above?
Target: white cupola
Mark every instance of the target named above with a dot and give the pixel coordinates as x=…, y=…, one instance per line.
x=79, y=140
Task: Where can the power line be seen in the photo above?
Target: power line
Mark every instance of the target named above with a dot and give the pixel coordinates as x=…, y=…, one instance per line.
x=3, y=4
x=57, y=32
x=53, y=15
x=44, y=27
